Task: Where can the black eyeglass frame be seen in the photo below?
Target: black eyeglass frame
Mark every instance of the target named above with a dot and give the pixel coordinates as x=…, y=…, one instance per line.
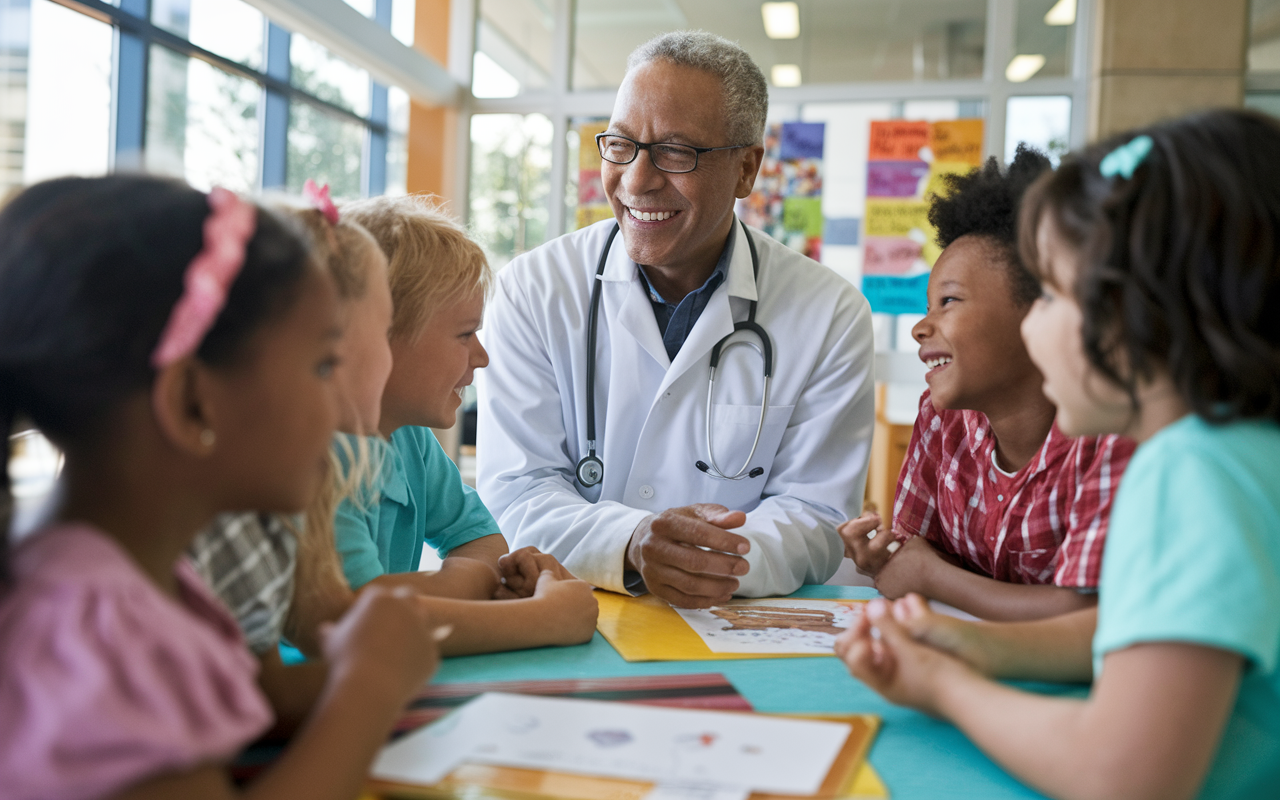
x=697, y=151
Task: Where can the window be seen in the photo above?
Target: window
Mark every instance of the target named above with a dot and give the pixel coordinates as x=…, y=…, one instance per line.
x=318, y=72
x=325, y=148
x=513, y=47
x=230, y=28
x=510, y=183
x=1262, y=84
x=202, y=123
x=207, y=90
x=65, y=127
x=1042, y=122
x=1042, y=47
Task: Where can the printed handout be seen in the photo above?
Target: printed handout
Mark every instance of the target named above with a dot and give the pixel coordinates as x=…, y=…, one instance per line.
x=774, y=626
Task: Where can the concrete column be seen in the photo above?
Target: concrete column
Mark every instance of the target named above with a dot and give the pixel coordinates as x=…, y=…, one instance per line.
x=1155, y=59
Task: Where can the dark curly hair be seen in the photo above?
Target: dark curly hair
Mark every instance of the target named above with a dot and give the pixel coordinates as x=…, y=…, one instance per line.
x=1180, y=264
x=90, y=269
x=984, y=203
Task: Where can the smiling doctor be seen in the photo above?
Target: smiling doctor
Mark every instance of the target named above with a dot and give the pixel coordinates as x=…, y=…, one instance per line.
x=605, y=436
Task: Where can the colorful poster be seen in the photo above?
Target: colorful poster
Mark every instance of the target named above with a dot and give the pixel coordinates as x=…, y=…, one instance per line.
x=593, y=206
x=906, y=161
x=787, y=200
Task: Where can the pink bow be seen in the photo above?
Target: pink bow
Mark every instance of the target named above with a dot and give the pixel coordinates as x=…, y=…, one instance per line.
x=209, y=276
x=318, y=196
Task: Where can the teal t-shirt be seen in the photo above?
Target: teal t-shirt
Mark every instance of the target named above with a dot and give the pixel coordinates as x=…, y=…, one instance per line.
x=1193, y=555
x=420, y=498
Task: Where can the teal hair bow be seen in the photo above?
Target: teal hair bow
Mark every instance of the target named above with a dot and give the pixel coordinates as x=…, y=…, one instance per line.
x=1126, y=158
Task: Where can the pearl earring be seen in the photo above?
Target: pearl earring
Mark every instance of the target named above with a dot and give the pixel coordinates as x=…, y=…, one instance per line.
x=208, y=438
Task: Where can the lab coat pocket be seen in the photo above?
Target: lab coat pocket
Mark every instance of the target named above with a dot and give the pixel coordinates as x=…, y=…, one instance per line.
x=733, y=431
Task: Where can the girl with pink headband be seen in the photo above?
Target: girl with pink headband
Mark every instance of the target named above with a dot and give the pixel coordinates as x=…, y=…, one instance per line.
x=179, y=349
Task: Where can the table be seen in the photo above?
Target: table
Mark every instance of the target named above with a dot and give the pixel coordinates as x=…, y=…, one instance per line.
x=917, y=756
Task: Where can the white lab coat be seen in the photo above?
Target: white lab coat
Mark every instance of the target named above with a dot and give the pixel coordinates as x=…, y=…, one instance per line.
x=650, y=411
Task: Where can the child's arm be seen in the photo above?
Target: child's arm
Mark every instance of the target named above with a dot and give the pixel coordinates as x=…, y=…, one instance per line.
x=917, y=567
x=1149, y=730
x=560, y=612
x=1057, y=649
x=380, y=653
x=901, y=567
x=291, y=690
x=487, y=549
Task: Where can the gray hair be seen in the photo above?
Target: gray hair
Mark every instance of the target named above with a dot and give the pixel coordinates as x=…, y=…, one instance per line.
x=746, y=95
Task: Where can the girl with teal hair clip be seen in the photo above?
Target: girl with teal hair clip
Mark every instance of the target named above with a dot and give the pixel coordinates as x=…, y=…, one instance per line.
x=1157, y=321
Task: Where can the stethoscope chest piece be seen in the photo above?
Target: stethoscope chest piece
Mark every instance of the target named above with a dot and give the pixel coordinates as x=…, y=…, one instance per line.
x=590, y=471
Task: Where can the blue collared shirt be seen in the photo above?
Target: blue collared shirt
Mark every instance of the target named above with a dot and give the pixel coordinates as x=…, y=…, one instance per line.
x=675, y=321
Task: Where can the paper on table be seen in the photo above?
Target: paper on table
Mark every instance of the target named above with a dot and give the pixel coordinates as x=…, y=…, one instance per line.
x=674, y=791
x=427, y=755
x=772, y=626
x=660, y=745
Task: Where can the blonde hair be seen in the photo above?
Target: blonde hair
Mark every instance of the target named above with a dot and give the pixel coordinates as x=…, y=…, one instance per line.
x=431, y=262
x=320, y=589
x=343, y=249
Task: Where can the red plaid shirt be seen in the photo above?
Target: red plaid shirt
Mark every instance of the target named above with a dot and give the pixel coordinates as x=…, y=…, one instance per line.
x=1047, y=523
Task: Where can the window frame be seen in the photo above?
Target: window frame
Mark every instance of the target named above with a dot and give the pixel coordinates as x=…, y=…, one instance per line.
x=134, y=33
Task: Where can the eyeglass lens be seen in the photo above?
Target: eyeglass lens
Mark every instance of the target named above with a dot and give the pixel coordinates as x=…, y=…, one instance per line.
x=666, y=157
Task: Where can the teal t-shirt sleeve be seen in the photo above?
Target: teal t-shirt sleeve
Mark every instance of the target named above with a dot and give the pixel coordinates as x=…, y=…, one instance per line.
x=453, y=513
x=1189, y=558
x=354, y=536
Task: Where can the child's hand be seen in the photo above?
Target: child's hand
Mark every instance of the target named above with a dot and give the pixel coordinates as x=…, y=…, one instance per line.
x=892, y=663
x=868, y=543
x=909, y=568
x=522, y=569
x=958, y=637
x=385, y=643
x=570, y=606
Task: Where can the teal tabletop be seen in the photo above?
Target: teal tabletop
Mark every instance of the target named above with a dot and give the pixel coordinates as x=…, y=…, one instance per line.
x=917, y=756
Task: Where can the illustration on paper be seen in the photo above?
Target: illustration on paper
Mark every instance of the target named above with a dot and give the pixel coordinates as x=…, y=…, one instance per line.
x=776, y=626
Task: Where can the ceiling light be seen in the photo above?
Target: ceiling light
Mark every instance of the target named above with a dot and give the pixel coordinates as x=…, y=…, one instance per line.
x=1023, y=67
x=781, y=20
x=785, y=75
x=1062, y=13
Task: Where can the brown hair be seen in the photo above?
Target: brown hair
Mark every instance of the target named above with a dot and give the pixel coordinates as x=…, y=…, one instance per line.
x=1179, y=261
x=430, y=260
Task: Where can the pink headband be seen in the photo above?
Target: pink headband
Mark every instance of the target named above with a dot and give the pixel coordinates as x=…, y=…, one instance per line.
x=318, y=196
x=209, y=276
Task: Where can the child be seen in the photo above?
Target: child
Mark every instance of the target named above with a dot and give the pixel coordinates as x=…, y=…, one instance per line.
x=178, y=348
x=248, y=558
x=1162, y=279
x=438, y=283
x=279, y=576
x=997, y=512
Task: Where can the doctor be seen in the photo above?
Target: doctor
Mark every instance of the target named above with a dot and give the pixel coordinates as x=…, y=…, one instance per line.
x=657, y=501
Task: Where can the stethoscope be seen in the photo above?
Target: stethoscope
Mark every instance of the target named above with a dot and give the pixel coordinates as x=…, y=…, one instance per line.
x=591, y=469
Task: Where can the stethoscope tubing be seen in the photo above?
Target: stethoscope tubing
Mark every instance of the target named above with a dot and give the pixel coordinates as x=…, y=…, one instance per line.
x=590, y=469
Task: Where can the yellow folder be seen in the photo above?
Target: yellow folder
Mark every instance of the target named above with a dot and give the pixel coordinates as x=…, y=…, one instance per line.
x=647, y=628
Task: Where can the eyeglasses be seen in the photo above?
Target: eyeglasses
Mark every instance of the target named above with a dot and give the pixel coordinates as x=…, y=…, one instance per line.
x=665, y=156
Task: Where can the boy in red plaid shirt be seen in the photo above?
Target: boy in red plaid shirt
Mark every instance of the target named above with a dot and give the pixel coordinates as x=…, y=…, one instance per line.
x=997, y=512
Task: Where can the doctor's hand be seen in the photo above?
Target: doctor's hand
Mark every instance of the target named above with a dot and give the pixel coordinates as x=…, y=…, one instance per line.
x=688, y=557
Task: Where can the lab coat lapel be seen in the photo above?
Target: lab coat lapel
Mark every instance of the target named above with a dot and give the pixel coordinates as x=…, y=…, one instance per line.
x=624, y=301
x=717, y=319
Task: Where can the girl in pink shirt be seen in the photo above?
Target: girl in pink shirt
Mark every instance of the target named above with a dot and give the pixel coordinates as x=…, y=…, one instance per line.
x=178, y=347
